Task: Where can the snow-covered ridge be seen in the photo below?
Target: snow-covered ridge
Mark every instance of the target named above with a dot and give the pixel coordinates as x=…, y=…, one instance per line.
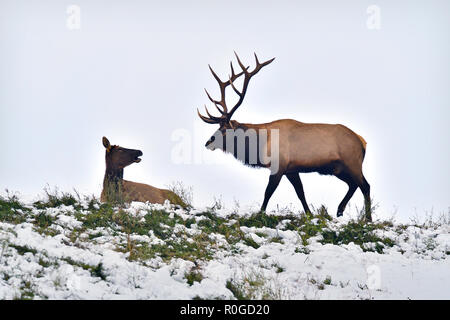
x=82, y=249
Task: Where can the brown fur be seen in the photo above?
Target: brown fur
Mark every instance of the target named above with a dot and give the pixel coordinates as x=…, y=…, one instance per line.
x=116, y=188
x=331, y=149
x=133, y=191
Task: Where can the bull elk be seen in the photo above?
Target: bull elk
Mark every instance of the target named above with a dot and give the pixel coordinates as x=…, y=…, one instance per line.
x=329, y=149
x=115, y=188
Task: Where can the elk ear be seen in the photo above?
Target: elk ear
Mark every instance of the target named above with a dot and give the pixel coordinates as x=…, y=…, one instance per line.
x=106, y=144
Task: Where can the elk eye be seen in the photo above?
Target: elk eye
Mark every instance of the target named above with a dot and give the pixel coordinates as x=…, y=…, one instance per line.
x=213, y=138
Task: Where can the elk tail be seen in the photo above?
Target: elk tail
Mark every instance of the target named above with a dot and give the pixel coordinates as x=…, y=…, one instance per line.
x=363, y=142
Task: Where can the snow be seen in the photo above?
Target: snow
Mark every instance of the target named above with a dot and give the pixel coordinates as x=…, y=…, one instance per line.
x=416, y=267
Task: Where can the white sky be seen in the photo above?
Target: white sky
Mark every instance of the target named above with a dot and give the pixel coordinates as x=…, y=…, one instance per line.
x=136, y=70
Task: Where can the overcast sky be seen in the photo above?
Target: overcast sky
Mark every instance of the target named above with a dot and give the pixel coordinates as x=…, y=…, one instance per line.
x=134, y=71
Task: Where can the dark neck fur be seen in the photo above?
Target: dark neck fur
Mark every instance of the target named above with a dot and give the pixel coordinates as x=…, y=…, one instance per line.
x=245, y=127
x=112, y=176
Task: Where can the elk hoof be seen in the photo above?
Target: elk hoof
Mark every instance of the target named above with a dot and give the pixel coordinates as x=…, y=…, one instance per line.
x=340, y=214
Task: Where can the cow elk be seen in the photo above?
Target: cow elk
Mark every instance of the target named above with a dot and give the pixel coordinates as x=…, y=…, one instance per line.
x=296, y=147
x=116, y=189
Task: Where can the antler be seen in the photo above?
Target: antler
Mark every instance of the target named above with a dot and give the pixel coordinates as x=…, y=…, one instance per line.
x=225, y=115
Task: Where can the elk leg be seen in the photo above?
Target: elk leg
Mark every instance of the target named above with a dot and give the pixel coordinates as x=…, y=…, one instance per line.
x=351, y=190
x=362, y=184
x=365, y=189
x=295, y=180
x=274, y=181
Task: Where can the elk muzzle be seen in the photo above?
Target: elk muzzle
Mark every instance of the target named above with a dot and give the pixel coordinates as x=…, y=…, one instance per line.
x=138, y=154
x=209, y=144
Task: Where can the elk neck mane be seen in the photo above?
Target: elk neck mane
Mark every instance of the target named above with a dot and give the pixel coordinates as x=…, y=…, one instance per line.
x=245, y=127
x=112, y=176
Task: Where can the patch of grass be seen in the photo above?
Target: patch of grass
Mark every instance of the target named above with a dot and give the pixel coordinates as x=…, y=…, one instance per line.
x=56, y=199
x=236, y=289
x=184, y=195
x=117, y=219
x=309, y=224
x=250, y=242
x=214, y=224
x=260, y=220
x=276, y=240
x=98, y=218
x=95, y=235
x=12, y=210
x=430, y=243
x=193, y=276
x=322, y=213
x=255, y=286
x=5, y=276
x=96, y=271
x=43, y=220
x=26, y=291
x=261, y=234
x=359, y=233
x=217, y=204
x=178, y=247
x=279, y=269
x=303, y=250
x=311, y=227
x=159, y=222
x=21, y=250
x=44, y=263
x=93, y=203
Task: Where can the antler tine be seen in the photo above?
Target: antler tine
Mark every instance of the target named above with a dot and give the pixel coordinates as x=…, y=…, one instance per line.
x=234, y=88
x=256, y=58
x=215, y=75
x=260, y=65
x=216, y=103
x=206, y=119
x=223, y=85
x=244, y=69
x=267, y=62
x=248, y=76
x=232, y=69
x=218, y=119
x=225, y=115
x=222, y=112
x=212, y=100
x=234, y=76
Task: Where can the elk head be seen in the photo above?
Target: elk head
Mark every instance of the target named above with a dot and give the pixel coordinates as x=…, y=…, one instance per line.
x=118, y=158
x=218, y=139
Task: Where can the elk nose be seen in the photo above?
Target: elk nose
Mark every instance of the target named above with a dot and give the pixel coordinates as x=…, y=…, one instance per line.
x=139, y=153
x=211, y=140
